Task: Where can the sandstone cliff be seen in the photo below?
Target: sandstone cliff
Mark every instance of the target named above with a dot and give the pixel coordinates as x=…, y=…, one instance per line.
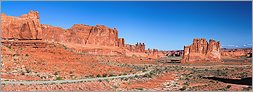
x=201, y=51
x=83, y=34
x=99, y=38
x=26, y=26
x=236, y=53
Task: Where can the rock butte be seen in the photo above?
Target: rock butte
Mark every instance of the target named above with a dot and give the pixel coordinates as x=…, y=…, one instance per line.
x=28, y=27
x=201, y=51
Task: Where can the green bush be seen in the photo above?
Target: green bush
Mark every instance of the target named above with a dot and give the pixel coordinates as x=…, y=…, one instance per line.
x=8, y=47
x=98, y=75
x=111, y=75
x=58, y=78
x=100, y=80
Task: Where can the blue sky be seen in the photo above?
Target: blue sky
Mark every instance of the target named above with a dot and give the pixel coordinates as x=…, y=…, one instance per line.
x=161, y=25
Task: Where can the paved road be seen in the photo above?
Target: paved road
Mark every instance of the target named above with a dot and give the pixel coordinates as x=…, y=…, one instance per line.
x=72, y=81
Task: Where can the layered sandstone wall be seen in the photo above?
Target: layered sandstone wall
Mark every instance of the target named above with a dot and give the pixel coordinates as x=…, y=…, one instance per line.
x=83, y=34
x=201, y=51
x=26, y=26
x=236, y=52
x=121, y=42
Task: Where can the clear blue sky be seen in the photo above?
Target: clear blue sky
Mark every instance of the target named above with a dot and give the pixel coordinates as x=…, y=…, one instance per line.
x=161, y=25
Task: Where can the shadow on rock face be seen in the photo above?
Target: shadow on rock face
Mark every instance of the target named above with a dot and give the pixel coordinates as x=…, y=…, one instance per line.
x=243, y=81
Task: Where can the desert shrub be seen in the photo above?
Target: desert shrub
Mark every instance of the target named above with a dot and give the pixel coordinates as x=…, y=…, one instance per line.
x=71, y=72
x=26, y=55
x=228, y=86
x=65, y=47
x=55, y=73
x=104, y=75
x=98, y=75
x=58, y=78
x=100, y=80
x=8, y=47
x=22, y=73
x=139, y=88
x=183, y=88
x=111, y=75
x=186, y=83
x=147, y=75
x=107, y=80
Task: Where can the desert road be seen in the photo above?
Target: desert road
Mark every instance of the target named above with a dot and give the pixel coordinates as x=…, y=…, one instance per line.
x=73, y=81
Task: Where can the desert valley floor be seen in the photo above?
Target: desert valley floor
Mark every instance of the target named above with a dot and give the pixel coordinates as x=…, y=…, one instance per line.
x=57, y=62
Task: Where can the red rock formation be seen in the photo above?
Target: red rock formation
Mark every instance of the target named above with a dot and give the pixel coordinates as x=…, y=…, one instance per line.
x=213, y=51
x=54, y=34
x=121, y=42
x=78, y=33
x=102, y=35
x=25, y=27
x=83, y=34
x=152, y=53
x=28, y=27
x=236, y=53
x=139, y=47
x=201, y=50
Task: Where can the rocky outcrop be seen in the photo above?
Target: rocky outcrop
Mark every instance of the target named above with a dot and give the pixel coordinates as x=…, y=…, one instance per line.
x=102, y=35
x=26, y=26
x=201, y=51
x=54, y=34
x=139, y=47
x=152, y=53
x=83, y=34
x=121, y=42
x=236, y=53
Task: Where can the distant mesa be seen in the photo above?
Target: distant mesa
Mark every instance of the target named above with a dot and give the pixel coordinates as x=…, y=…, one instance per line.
x=202, y=51
x=236, y=53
